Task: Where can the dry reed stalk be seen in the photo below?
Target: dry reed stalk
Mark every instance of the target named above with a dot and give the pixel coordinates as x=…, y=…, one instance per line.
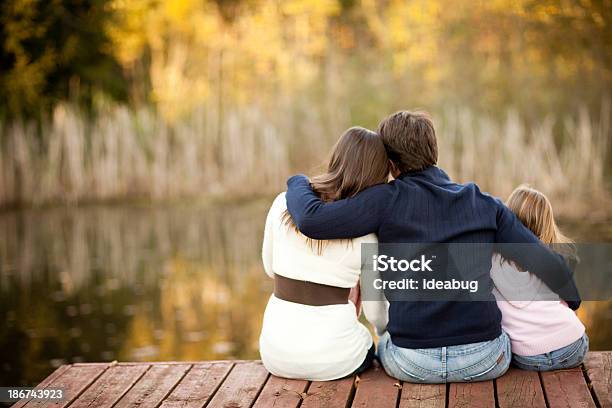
x=125, y=153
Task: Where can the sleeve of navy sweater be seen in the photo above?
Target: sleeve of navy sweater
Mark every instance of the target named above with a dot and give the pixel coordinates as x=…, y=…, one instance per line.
x=348, y=218
x=537, y=258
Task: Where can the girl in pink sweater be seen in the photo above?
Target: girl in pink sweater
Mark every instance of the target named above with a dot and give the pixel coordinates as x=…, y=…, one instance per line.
x=545, y=334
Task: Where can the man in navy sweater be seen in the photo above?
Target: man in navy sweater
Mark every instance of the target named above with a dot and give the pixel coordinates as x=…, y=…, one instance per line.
x=432, y=341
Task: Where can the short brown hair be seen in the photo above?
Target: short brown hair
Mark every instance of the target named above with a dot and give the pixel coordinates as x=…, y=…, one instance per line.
x=410, y=140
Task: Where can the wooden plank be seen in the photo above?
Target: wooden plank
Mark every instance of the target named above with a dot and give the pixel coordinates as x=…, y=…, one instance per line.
x=281, y=393
x=154, y=386
x=44, y=383
x=376, y=389
x=73, y=381
x=111, y=386
x=241, y=387
x=423, y=396
x=599, y=370
x=174, y=385
x=329, y=394
x=566, y=388
x=520, y=388
x=471, y=395
x=188, y=362
x=198, y=386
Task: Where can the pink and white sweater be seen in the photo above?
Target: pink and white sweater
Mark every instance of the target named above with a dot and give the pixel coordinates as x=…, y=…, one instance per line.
x=535, y=326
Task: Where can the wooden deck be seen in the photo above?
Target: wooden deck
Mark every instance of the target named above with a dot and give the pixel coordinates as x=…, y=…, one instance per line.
x=234, y=384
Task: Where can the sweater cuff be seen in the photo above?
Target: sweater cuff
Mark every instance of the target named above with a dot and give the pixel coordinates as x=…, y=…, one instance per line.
x=298, y=178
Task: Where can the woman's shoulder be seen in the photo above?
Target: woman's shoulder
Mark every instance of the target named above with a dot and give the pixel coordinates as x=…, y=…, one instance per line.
x=279, y=204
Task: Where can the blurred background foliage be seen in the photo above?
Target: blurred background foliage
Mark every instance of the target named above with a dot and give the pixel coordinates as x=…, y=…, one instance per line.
x=176, y=54
x=159, y=99
x=53, y=51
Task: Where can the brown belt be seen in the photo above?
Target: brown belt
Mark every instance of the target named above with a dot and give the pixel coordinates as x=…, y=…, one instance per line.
x=309, y=293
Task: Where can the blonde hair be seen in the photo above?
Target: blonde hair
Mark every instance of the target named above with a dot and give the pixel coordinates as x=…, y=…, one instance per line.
x=534, y=210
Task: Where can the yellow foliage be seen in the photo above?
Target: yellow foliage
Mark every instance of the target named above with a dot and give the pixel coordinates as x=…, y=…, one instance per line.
x=195, y=52
x=199, y=55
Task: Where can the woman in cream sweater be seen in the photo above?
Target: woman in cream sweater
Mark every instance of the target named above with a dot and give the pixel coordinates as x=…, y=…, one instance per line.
x=310, y=328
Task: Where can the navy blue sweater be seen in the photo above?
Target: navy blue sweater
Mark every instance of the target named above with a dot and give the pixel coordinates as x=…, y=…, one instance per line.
x=427, y=207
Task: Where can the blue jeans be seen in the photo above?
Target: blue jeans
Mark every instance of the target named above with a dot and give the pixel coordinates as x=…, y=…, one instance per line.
x=462, y=363
x=566, y=357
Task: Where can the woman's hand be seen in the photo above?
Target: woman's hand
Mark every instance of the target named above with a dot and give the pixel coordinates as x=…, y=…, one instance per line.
x=355, y=297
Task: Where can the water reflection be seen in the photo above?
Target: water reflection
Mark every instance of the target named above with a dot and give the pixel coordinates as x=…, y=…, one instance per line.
x=180, y=283
x=183, y=282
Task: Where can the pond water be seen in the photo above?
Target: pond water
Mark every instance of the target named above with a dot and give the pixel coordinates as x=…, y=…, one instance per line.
x=180, y=282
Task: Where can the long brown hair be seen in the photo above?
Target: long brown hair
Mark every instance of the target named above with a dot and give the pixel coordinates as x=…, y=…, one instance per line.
x=358, y=161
